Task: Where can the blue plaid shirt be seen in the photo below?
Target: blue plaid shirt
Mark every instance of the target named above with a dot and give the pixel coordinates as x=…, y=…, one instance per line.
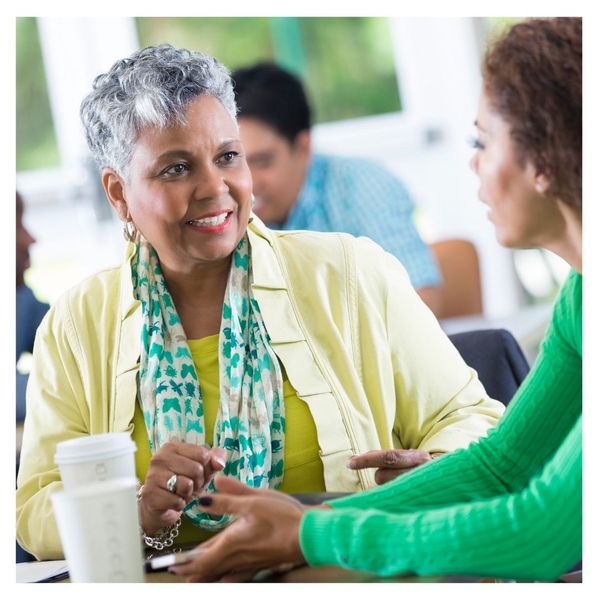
x=357, y=196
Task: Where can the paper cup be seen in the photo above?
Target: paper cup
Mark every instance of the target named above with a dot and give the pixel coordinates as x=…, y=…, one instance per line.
x=99, y=529
x=92, y=458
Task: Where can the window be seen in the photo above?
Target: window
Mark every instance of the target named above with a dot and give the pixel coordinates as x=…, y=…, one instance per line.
x=346, y=63
x=36, y=141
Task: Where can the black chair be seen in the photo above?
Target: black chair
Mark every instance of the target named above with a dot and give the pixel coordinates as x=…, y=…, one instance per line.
x=497, y=357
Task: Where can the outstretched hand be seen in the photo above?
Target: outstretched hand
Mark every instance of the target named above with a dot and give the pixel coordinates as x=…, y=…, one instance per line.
x=263, y=534
x=389, y=463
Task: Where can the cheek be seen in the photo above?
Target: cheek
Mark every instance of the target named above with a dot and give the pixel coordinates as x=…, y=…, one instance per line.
x=495, y=180
x=241, y=188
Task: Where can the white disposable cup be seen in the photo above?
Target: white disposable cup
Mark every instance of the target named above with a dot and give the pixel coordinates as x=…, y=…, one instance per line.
x=92, y=458
x=99, y=529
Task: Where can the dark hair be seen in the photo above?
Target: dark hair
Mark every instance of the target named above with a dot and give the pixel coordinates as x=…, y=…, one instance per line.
x=273, y=95
x=532, y=77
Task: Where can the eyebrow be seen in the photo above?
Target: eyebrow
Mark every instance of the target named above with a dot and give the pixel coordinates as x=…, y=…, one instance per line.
x=229, y=141
x=172, y=153
x=478, y=125
x=178, y=152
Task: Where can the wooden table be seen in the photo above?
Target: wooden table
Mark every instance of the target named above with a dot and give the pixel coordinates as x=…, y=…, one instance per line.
x=323, y=575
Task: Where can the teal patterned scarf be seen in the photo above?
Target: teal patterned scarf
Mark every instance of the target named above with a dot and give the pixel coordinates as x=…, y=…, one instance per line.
x=250, y=423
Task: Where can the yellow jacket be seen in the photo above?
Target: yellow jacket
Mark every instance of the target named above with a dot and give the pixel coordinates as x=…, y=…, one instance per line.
x=357, y=344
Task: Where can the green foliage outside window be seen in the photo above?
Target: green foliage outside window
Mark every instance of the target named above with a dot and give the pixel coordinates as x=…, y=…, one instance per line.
x=346, y=63
x=36, y=142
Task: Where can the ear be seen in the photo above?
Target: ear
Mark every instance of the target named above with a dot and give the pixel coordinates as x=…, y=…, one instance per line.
x=302, y=143
x=541, y=183
x=114, y=187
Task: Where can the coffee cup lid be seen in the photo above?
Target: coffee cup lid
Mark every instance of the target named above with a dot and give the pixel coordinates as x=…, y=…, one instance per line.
x=94, y=447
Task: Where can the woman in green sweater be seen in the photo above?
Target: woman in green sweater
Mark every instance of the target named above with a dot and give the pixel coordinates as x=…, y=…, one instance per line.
x=509, y=505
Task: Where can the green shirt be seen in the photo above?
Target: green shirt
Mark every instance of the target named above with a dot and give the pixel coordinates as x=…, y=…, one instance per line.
x=507, y=506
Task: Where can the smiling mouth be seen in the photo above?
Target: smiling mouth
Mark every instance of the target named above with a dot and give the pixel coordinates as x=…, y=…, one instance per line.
x=210, y=221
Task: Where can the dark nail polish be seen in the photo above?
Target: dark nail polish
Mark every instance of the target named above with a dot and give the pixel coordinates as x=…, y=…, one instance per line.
x=205, y=501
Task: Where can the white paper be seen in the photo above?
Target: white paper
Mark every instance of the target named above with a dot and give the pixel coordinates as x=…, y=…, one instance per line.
x=30, y=572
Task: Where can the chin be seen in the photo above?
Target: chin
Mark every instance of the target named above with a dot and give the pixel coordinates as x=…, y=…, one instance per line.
x=510, y=240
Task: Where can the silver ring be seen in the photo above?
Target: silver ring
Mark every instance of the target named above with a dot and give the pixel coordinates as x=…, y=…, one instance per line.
x=172, y=483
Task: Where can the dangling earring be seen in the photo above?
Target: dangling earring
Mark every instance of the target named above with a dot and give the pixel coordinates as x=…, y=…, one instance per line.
x=130, y=232
x=252, y=200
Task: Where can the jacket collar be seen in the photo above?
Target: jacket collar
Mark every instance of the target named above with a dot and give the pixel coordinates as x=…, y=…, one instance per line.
x=266, y=270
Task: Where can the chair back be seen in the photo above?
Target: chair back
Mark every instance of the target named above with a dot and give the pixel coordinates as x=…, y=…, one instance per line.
x=461, y=283
x=497, y=357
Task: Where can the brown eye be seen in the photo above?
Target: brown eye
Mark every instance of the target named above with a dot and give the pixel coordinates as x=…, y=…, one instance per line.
x=176, y=169
x=229, y=156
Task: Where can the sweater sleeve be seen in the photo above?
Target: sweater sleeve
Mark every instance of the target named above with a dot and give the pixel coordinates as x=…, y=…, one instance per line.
x=531, y=534
x=522, y=482
x=514, y=451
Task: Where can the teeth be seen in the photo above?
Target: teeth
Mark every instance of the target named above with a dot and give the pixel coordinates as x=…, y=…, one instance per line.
x=209, y=221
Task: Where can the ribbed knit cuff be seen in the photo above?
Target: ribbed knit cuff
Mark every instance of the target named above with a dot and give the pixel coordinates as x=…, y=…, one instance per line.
x=316, y=538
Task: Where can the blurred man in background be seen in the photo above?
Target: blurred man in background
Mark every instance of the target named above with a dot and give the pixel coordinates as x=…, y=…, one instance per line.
x=296, y=189
x=29, y=310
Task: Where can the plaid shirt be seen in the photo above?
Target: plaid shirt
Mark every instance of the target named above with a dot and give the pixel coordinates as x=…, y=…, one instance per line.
x=357, y=196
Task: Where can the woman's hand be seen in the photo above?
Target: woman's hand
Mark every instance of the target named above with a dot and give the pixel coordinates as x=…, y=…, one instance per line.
x=194, y=466
x=263, y=535
x=390, y=463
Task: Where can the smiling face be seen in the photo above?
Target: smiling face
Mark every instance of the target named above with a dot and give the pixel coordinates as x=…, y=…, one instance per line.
x=521, y=211
x=188, y=188
x=278, y=168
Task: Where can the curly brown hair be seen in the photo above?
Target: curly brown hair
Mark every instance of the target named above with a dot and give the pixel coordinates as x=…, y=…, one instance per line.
x=532, y=78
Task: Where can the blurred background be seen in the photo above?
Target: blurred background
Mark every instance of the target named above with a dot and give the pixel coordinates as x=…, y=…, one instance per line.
x=401, y=91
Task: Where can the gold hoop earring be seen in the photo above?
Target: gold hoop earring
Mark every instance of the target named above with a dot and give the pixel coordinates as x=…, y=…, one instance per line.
x=130, y=232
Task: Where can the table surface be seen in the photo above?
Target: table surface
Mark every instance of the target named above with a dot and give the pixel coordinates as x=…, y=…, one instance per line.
x=323, y=575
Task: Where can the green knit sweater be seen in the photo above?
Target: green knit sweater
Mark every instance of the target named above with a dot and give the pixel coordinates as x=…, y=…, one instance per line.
x=507, y=506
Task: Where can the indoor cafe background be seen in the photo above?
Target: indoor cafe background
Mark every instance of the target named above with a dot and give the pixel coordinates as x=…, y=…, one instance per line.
x=400, y=91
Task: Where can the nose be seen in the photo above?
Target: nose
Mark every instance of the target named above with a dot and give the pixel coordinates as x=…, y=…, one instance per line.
x=212, y=183
x=473, y=163
x=30, y=239
x=25, y=239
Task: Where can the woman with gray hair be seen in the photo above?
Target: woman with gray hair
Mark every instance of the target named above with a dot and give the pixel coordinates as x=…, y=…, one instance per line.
x=273, y=357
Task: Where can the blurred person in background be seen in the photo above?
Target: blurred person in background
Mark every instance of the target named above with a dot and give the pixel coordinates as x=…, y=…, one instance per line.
x=29, y=310
x=509, y=505
x=298, y=189
x=222, y=345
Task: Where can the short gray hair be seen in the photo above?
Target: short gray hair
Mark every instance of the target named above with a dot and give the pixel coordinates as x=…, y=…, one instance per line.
x=151, y=88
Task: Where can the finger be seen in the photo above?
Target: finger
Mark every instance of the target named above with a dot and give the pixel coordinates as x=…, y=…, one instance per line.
x=184, y=487
x=209, y=566
x=159, y=500
x=218, y=459
x=216, y=462
x=231, y=485
x=224, y=504
x=384, y=475
x=196, y=452
x=186, y=467
x=388, y=459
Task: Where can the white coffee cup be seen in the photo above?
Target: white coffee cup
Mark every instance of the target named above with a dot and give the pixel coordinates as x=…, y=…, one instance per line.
x=92, y=458
x=99, y=529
